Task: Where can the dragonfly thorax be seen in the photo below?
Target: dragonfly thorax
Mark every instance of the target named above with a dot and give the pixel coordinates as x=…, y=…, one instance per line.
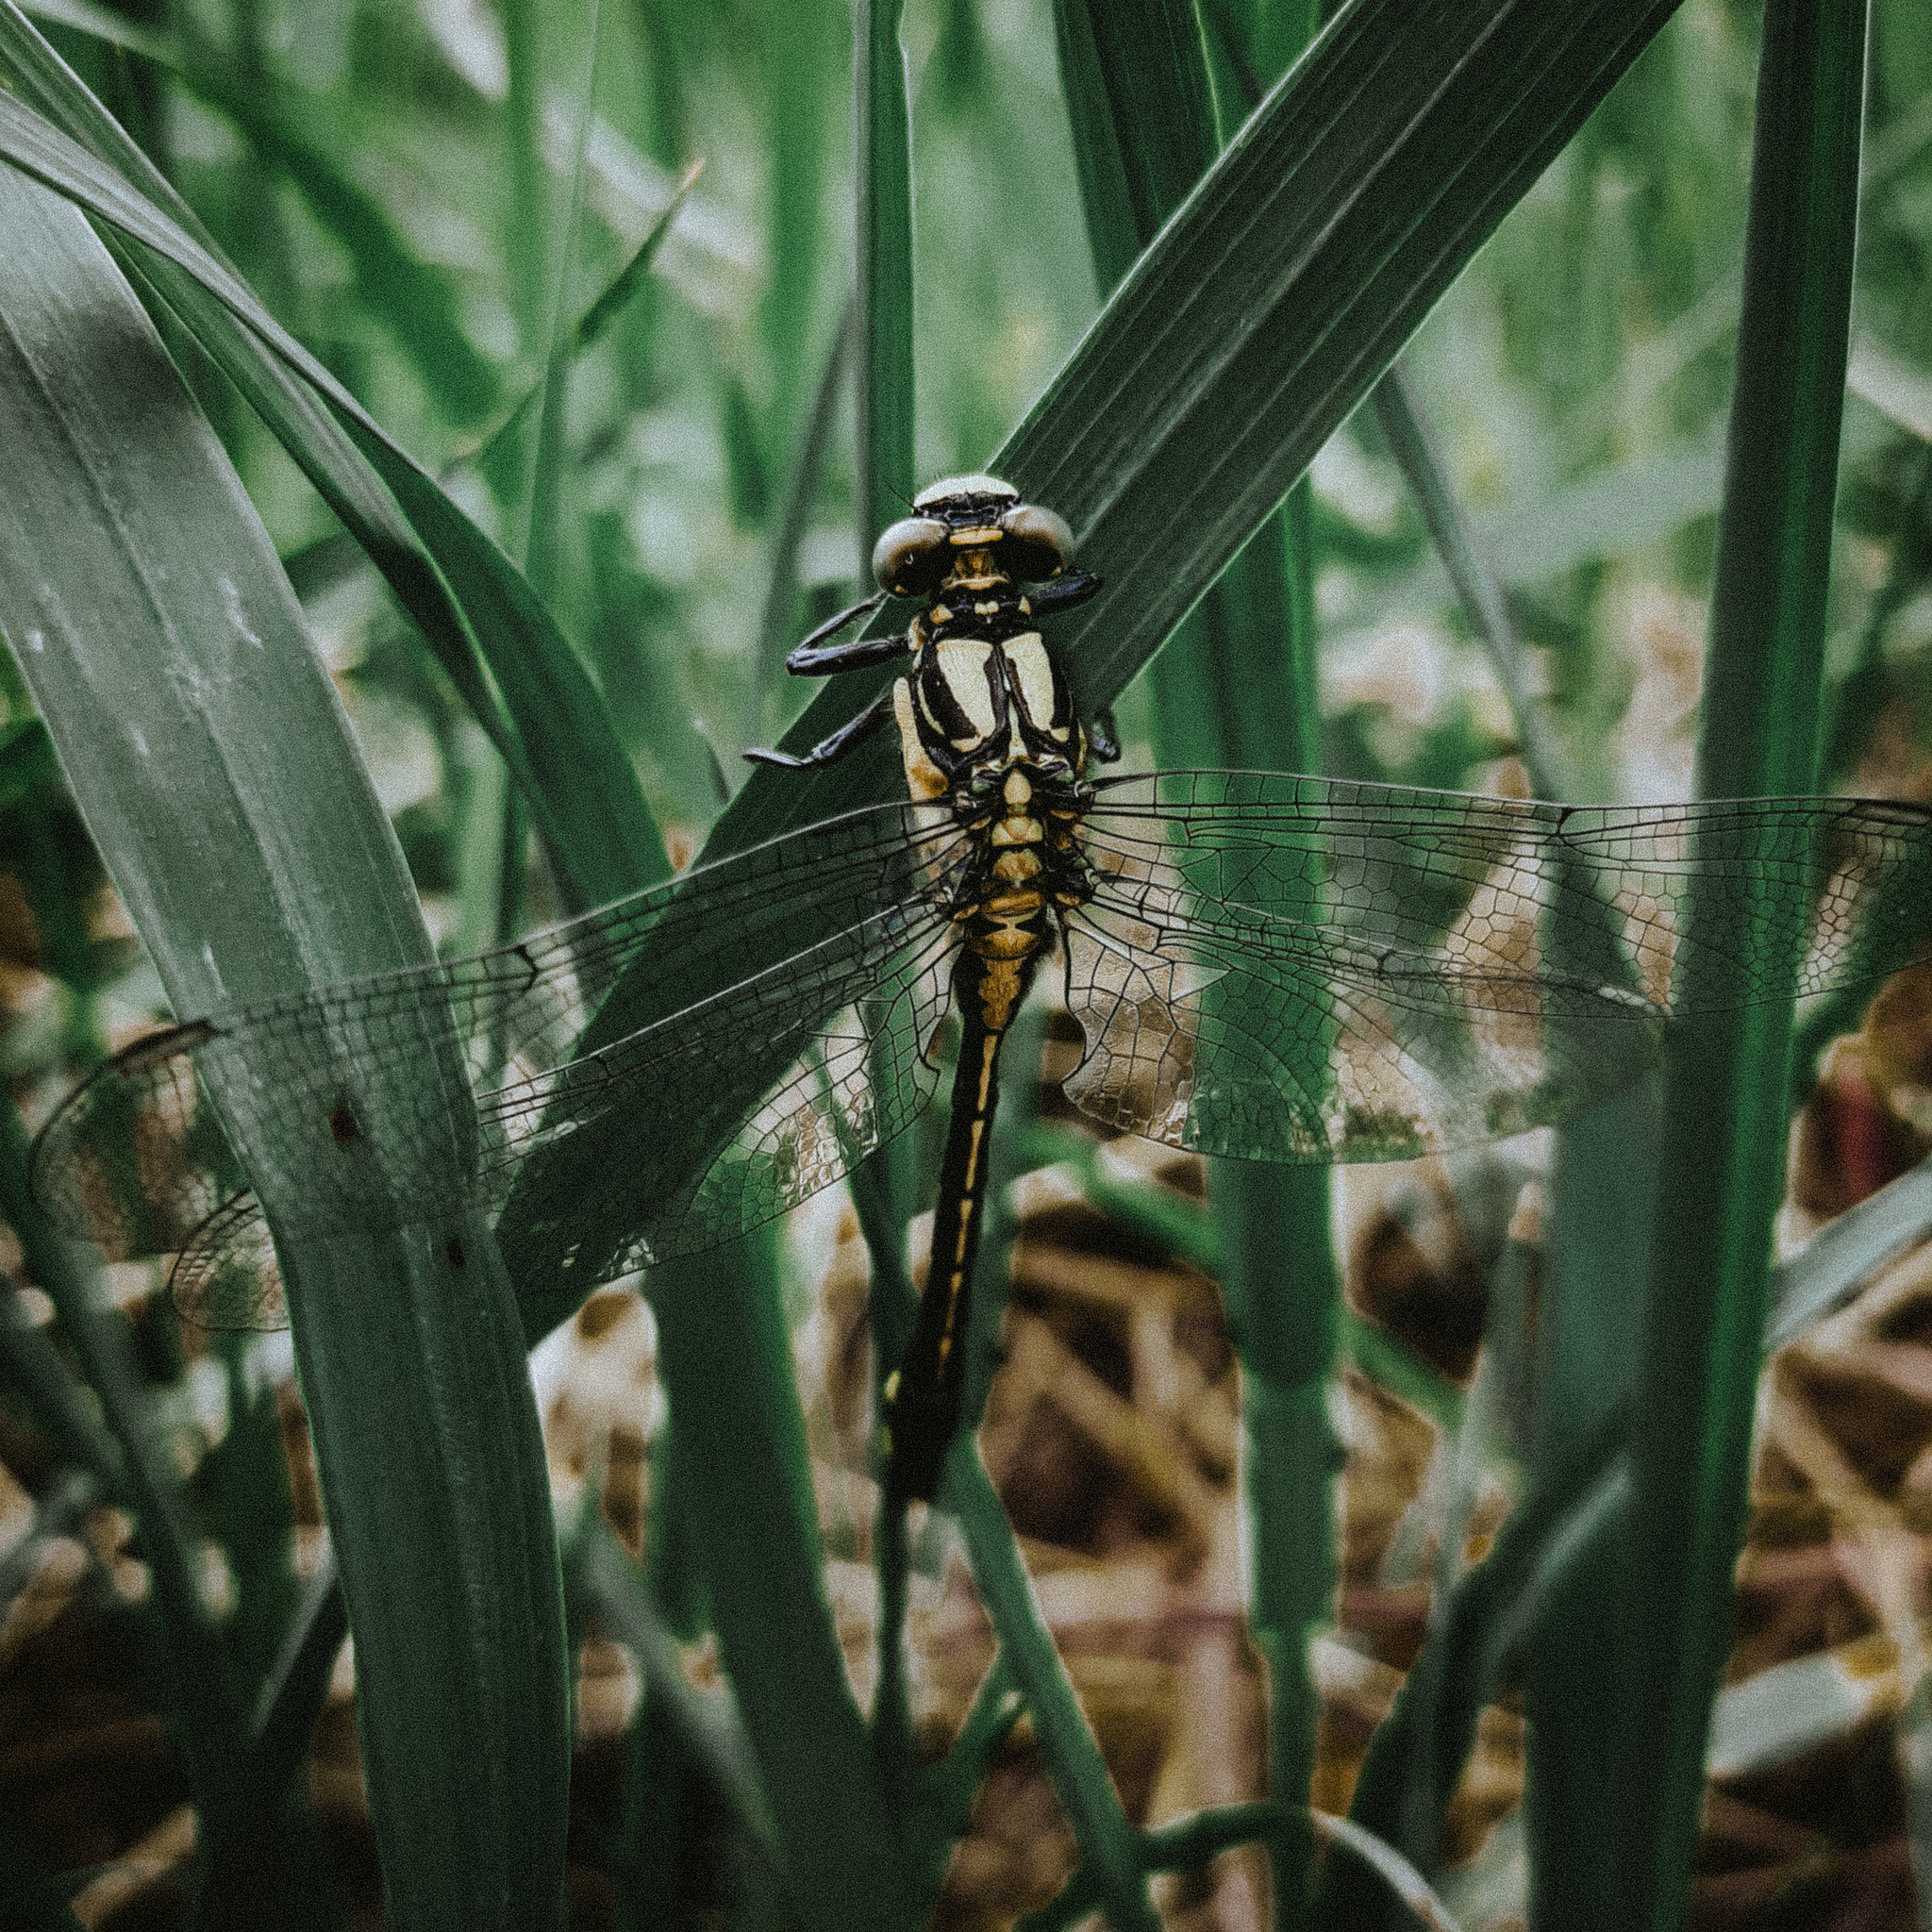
x=982, y=692
x=986, y=728
x=974, y=705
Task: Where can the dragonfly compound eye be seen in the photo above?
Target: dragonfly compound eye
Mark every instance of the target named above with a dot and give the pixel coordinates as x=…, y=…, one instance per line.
x=1039, y=544
x=911, y=556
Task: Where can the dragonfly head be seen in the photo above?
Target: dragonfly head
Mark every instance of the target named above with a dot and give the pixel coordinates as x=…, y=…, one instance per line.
x=970, y=533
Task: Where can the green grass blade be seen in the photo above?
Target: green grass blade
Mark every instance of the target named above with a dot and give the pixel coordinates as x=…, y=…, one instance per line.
x=744, y=1482
x=1142, y=116
x=493, y=452
x=997, y=1705
x=1723, y=1140
x=1299, y=266
x=533, y=259
x=882, y=1191
x=884, y=388
x=804, y=49
x=296, y=1684
x=1411, y=437
x=547, y=477
x=1072, y=1757
x=207, y=748
x=1569, y=1679
x=1284, y=1290
x=1114, y=238
x=711, y=1733
x=801, y=487
x=884, y=365
x=1237, y=686
x=616, y=295
x=415, y=301
x=1419, y=1752
x=657, y=1784
x=1589, y=1341
x=85, y=17
x=1774, y=557
x=249, y=1509
x=1409, y=441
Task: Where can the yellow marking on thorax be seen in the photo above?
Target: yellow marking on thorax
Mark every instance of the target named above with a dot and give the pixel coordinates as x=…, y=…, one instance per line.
x=1033, y=673
x=924, y=779
x=962, y=664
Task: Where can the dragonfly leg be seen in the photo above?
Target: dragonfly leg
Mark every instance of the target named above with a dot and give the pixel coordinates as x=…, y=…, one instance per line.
x=828, y=750
x=1062, y=593
x=812, y=657
x=1103, y=738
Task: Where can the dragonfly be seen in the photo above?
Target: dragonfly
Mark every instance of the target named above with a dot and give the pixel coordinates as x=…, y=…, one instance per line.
x=1262, y=966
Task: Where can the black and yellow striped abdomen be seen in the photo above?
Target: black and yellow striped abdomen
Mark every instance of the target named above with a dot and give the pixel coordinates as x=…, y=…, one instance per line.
x=1008, y=927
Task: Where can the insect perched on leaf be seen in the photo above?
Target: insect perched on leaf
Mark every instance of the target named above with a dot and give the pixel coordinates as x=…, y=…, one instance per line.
x=1263, y=966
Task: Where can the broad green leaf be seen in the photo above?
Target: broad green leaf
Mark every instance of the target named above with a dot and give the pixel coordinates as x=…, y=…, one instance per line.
x=1722, y=1148
x=209, y=753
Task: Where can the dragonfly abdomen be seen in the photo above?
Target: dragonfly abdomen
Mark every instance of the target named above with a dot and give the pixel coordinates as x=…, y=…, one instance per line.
x=1007, y=929
x=925, y=1394
x=1008, y=924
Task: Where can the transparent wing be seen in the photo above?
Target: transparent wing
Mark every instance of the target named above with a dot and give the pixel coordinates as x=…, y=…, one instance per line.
x=226, y=1275
x=839, y=1039
x=1292, y=969
x=599, y=1152
x=599, y=1026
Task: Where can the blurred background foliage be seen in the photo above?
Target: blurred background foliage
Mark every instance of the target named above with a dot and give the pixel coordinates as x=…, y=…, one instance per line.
x=395, y=181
